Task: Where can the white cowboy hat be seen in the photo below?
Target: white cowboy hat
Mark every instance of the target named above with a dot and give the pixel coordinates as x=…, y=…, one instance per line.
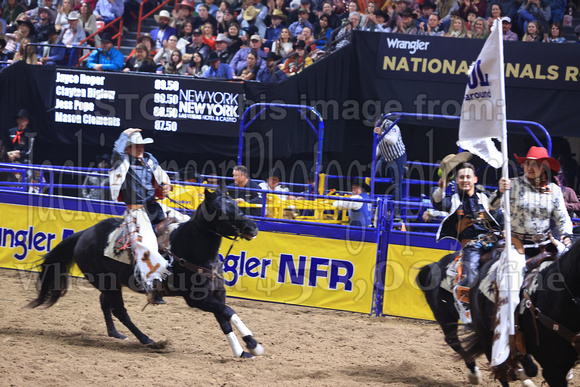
x=137, y=139
x=164, y=14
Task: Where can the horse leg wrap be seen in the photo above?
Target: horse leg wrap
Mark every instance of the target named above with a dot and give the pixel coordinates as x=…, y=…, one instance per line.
x=235, y=344
x=240, y=326
x=474, y=376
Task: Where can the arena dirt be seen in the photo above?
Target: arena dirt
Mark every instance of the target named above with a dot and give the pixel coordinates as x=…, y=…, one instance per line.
x=67, y=345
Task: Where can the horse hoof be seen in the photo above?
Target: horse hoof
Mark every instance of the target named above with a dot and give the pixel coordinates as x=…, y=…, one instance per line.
x=253, y=346
x=117, y=335
x=246, y=355
x=257, y=351
x=528, y=383
x=475, y=376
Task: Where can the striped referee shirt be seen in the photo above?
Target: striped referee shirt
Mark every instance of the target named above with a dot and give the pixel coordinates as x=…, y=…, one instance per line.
x=391, y=146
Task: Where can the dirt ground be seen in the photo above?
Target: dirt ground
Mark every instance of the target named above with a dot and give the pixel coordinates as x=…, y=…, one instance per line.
x=67, y=345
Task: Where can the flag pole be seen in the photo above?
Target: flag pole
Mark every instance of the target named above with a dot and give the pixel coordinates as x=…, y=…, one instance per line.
x=505, y=174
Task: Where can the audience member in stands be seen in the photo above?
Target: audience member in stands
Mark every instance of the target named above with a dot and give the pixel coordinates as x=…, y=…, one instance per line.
x=228, y=18
x=35, y=12
x=163, y=31
x=533, y=32
x=458, y=29
x=197, y=45
x=352, y=6
x=106, y=57
x=298, y=61
x=444, y=9
x=222, y=44
x=249, y=72
x=271, y=73
x=64, y=9
x=52, y=55
x=196, y=67
x=426, y=7
x=495, y=13
x=140, y=61
x=181, y=14
x=17, y=139
x=163, y=55
x=307, y=36
x=322, y=31
x=241, y=180
x=382, y=24
x=211, y=7
x=477, y=6
x=148, y=42
x=406, y=24
x=25, y=53
x=272, y=183
x=109, y=10
x=26, y=28
x=345, y=34
x=479, y=30
x=273, y=31
x=203, y=17
x=45, y=20
x=72, y=33
x=88, y=22
x=208, y=35
x=12, y=43
x=103, y=162
x=279, y=5
x=233, y=33
x=534, y=10
x=328, y=10
x=251, y=16
x=175, y=65
x=508, y=7
x=283, y=46
x=508, y=34
x=217, y=69
x=433, y=27
x=12, y=8
x=555, y=35
x=395, y=12
x=570, y=197
x=185, y=31
x=470, y=19
x=239, y=60
x=296, y=27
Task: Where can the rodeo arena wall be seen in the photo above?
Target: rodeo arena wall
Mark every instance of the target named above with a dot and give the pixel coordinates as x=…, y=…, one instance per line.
x=78, y=114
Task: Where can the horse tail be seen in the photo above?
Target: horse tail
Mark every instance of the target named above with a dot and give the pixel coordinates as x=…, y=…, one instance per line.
x=471, y=342
x=52, y=282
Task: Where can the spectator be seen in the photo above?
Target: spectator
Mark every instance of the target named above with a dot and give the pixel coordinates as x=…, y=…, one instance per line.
x=533, y=32
x=163, y=31
x=322, y=31
x=298, y=61
x=233, y=33
x=328, y=10
x=72, y=33
x=140, y=61
x=185, y=31
x=181, y=14
x=45, y=20
x=406, y=24
x=217, y=69
x=283, y=46
x=495, y=13
x=222, y=44
x=368, y=19
x=163, y=56
x=88, y=22
x=508, y=34
x=3, y=54
x=382, y=19
x=211, y=7
x=297, y=27
x=55, y=54
x=12, y=43
x=570, y=197
x=8, y=157
x=471, y=17
x=25, y=53
x=196, y=67
x=271, y=74
x=175, y=65
x=359, y=214
x=228, y=18
x=272, y=183
x=34, y=14
x=106, y=57
x=148, y=42
x=249, y=72
x=12, y=8
x=255, y=15
x=307, y=5
x=392, y=158
x=203, y=17
x=308, y=38
x=279, y=5
x=345, y=34
x=208, y=36
x=273, y=31
x=351, y=7
x=103, y=162
x=395, y=13
x=444, y=9
x=433, y=27
x=477, y=6
x=239, y=60
x=508, y=7
x=426, y=8
x=241, y=180
x=534, y=10
x=26, y=28
x=18, y=139
x=197, y=45
x=109, y=10
x=458, y=29
x=555, y=35
x=479, y=30
x=64, y=9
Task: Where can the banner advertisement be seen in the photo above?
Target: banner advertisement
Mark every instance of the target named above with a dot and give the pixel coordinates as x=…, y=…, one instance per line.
x=432, y=59
x=402, y=296
x=300, y=270
x=112, y=101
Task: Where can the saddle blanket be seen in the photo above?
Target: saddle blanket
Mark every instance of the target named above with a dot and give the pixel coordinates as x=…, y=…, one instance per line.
x=116, y=249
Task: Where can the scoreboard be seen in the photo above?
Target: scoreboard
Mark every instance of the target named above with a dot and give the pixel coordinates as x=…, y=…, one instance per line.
x=111, y=100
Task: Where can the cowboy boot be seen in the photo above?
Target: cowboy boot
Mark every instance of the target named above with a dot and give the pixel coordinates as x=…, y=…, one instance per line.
x=154, y=297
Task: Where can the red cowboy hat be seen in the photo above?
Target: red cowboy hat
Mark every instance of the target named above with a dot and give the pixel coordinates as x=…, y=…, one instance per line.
x=540, y=153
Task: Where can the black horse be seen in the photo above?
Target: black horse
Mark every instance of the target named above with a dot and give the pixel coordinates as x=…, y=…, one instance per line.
x=442, y=305
x=550, y=322
x=196, y=270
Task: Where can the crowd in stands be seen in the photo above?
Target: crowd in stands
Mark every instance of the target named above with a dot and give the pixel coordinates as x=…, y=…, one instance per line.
x=240, y=38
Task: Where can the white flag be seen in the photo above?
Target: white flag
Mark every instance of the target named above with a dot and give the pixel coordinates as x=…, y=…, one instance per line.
x=483, y=109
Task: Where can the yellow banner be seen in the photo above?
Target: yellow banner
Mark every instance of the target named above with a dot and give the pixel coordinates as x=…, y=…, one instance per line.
x=301, y=270
x=27, y=233
x=402, y=295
